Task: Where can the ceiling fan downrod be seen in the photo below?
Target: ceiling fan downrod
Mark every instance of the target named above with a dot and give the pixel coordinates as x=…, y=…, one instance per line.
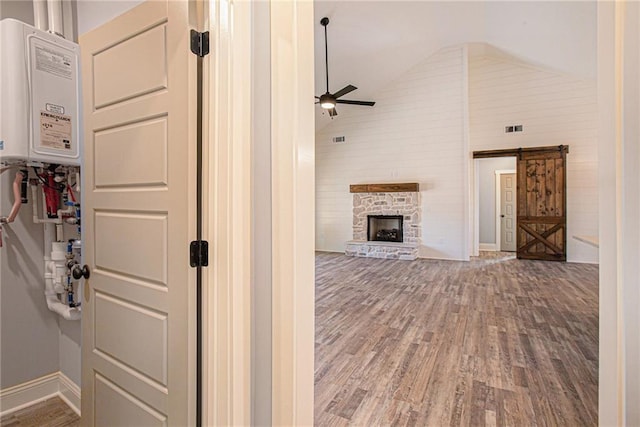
x=324, y=22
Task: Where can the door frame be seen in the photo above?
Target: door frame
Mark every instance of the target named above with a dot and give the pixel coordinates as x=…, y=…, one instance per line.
x=518, y=153
x=498, y=174
x=228, y=207
x=474, y=217
x=226, y=295
x=293, y=211
x=612, y=400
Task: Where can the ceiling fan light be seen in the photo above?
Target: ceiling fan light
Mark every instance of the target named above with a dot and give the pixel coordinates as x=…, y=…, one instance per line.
x=328, y=105
x=327, y=102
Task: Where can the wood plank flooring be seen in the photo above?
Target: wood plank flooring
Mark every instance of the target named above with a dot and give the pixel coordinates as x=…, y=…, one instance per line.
x=49, y=413
x=494, y=341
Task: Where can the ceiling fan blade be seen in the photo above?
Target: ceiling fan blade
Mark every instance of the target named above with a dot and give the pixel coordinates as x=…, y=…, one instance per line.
x=332, y=112
x=346, y=101
x=345, y=90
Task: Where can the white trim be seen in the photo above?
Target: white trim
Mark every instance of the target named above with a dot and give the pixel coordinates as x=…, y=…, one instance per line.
x=40, y=389
x=333, y=251
x=582, y=262
x=619, y=342
x=468, y=231
x=26, y=394
x=475, y=216
x=227, y=209
x=493, y=247
x=261, y=216
x=610, y=378
x=69, y=393
x=441, y=258
x=293, y=208
x=498, y=174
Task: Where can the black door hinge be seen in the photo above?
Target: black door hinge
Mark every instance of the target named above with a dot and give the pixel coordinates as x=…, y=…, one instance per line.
x=199, y=253
x=200, y=43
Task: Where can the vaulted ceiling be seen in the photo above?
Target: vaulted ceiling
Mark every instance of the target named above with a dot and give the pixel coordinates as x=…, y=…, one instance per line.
x=372, y=43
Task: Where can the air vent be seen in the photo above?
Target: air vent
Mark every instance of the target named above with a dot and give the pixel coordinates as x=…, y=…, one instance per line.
x=339, y=139
x=514, y=128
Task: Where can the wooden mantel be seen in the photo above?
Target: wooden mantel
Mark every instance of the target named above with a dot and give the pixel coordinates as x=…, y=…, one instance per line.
x=385, y=188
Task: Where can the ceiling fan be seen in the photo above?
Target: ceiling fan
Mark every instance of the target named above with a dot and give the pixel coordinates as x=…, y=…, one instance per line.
x=329, y=100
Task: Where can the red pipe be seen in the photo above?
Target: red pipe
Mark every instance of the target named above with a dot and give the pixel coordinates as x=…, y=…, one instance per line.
x=52, y=198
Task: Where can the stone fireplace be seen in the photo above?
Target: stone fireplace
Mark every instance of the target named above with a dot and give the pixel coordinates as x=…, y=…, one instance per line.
x=386, y=221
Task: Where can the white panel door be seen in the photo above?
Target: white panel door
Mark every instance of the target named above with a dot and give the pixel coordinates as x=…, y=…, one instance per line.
x=138, y=342
x=508, y=212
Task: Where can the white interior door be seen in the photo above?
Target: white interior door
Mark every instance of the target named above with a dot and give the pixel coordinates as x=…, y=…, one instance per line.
x=138, y=342
x=508, y=212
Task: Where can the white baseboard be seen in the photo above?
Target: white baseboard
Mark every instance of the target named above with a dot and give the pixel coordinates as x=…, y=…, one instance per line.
x=70, y=393
x=27, y=394
x=488, y=247
x=330, y=251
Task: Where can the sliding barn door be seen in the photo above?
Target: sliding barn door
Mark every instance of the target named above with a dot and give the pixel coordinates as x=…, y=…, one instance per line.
x=138, y=346
x=542, y=220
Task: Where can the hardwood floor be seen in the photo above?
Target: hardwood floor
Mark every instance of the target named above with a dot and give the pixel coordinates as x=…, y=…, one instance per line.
x=494, y=341
x=49, y=413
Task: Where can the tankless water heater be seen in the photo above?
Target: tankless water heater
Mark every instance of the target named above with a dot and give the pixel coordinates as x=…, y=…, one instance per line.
x=39, y=89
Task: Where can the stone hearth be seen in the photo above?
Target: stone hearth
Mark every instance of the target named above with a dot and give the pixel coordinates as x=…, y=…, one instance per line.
x=388, y=250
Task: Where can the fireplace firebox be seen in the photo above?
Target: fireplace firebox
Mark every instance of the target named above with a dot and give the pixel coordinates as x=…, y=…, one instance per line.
x=385, y=228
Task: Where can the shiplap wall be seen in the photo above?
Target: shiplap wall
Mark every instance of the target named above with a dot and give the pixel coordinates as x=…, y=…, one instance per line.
x=415, y=133
x=554, y=108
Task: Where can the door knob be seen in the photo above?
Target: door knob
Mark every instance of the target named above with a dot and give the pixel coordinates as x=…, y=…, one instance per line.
x=501, y=216
x=80, y=272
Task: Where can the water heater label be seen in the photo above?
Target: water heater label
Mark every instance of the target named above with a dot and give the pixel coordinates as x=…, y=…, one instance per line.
x=53, y=62
x=55, y=130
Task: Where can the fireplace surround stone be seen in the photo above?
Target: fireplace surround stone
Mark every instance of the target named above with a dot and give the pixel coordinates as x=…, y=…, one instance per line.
x=406, y=204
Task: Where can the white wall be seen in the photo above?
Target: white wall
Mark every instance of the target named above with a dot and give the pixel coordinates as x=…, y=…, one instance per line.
x=28, y=330
x=487, y=195
x=554, y=108
x=560, y=35
x=414, y=133
x=93, y=13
